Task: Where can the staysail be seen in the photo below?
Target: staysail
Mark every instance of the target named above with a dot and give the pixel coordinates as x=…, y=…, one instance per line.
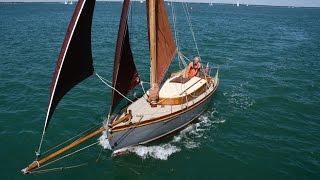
x=125, y=74
x=75, y=59
x=165, y=45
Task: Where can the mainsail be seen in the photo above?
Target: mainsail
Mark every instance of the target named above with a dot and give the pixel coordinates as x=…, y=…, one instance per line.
x=165, y=46
x=125, y=74
x=75, y=60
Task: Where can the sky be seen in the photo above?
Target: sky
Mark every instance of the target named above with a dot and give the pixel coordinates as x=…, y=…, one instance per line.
x=297, y=3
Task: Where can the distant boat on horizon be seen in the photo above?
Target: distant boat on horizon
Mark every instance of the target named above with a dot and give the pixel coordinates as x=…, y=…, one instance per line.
x=238, y=3
x=66, y=2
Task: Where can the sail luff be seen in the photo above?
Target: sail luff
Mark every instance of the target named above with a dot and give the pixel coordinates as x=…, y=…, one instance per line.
x=125, y=75
x=67, y=57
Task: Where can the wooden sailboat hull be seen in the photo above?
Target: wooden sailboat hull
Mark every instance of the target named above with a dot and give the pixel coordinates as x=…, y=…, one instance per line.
x=166, y=125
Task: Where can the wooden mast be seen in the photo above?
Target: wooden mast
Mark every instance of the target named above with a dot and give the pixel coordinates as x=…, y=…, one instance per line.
x=37, y=164
x=153, y=44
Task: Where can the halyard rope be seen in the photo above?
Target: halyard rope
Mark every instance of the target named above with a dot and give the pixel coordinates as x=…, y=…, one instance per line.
x=186, y=10
x=104, y=81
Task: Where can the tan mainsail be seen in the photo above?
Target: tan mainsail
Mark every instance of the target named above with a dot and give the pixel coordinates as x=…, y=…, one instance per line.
x=160, y=38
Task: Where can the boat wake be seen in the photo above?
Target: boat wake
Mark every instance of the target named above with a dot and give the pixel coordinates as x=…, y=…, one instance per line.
x=188, y=138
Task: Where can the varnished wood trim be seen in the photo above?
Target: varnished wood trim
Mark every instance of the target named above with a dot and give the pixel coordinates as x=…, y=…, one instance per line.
x=122, y=119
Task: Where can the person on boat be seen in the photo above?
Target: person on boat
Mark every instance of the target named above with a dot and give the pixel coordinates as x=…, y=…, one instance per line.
x=193, y=68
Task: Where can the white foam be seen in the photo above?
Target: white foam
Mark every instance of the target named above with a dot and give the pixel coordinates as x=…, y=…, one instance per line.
x=161, y=152
x=103, y=141
x=219, y=121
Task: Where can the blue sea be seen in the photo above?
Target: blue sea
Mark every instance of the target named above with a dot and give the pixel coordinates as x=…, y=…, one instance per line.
x=263, y=121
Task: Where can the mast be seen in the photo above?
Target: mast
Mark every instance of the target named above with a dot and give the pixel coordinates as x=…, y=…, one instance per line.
x=153, y=44
x=161, y=42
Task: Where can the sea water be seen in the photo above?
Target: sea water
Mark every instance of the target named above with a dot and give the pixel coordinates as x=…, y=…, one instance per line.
x=263, y=121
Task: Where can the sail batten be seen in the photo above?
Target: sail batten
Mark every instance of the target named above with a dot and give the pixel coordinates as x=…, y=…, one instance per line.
x=125, y=74
x=75, y=59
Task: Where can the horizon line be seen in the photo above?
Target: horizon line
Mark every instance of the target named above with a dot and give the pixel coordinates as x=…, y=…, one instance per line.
x=189, y=1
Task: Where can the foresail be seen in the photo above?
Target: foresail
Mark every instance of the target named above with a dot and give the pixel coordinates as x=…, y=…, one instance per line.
x=125, y=74
x=166, y=48
x=75, y=59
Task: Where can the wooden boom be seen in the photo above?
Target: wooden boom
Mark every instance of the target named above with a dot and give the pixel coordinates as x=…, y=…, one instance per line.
x=37, y=164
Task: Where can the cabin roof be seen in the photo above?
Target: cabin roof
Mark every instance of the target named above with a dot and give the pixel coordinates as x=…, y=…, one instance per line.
x=172, y=89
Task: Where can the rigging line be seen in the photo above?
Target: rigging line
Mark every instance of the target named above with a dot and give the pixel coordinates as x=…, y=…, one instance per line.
x=67, y=155
x=186, y=11
x=104, y=81
x=174, y=24
x=57, y=169
x=78, y=135
x=131, y=11
x=174, y=20
x=141, y=83
x=182, y=57
x=38, y=153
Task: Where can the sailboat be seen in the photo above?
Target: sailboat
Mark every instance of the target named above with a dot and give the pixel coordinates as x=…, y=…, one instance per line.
x=169, y=105
x=238, y=3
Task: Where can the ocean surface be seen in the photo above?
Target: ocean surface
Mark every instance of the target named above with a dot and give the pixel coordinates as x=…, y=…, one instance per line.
x=263, y=121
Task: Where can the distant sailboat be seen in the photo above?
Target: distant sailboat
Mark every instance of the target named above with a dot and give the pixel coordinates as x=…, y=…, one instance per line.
x=141, y=1
x=65, y=2
x=210, y=4
x=238, y=4
x=171, y=103
x=71, y=2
